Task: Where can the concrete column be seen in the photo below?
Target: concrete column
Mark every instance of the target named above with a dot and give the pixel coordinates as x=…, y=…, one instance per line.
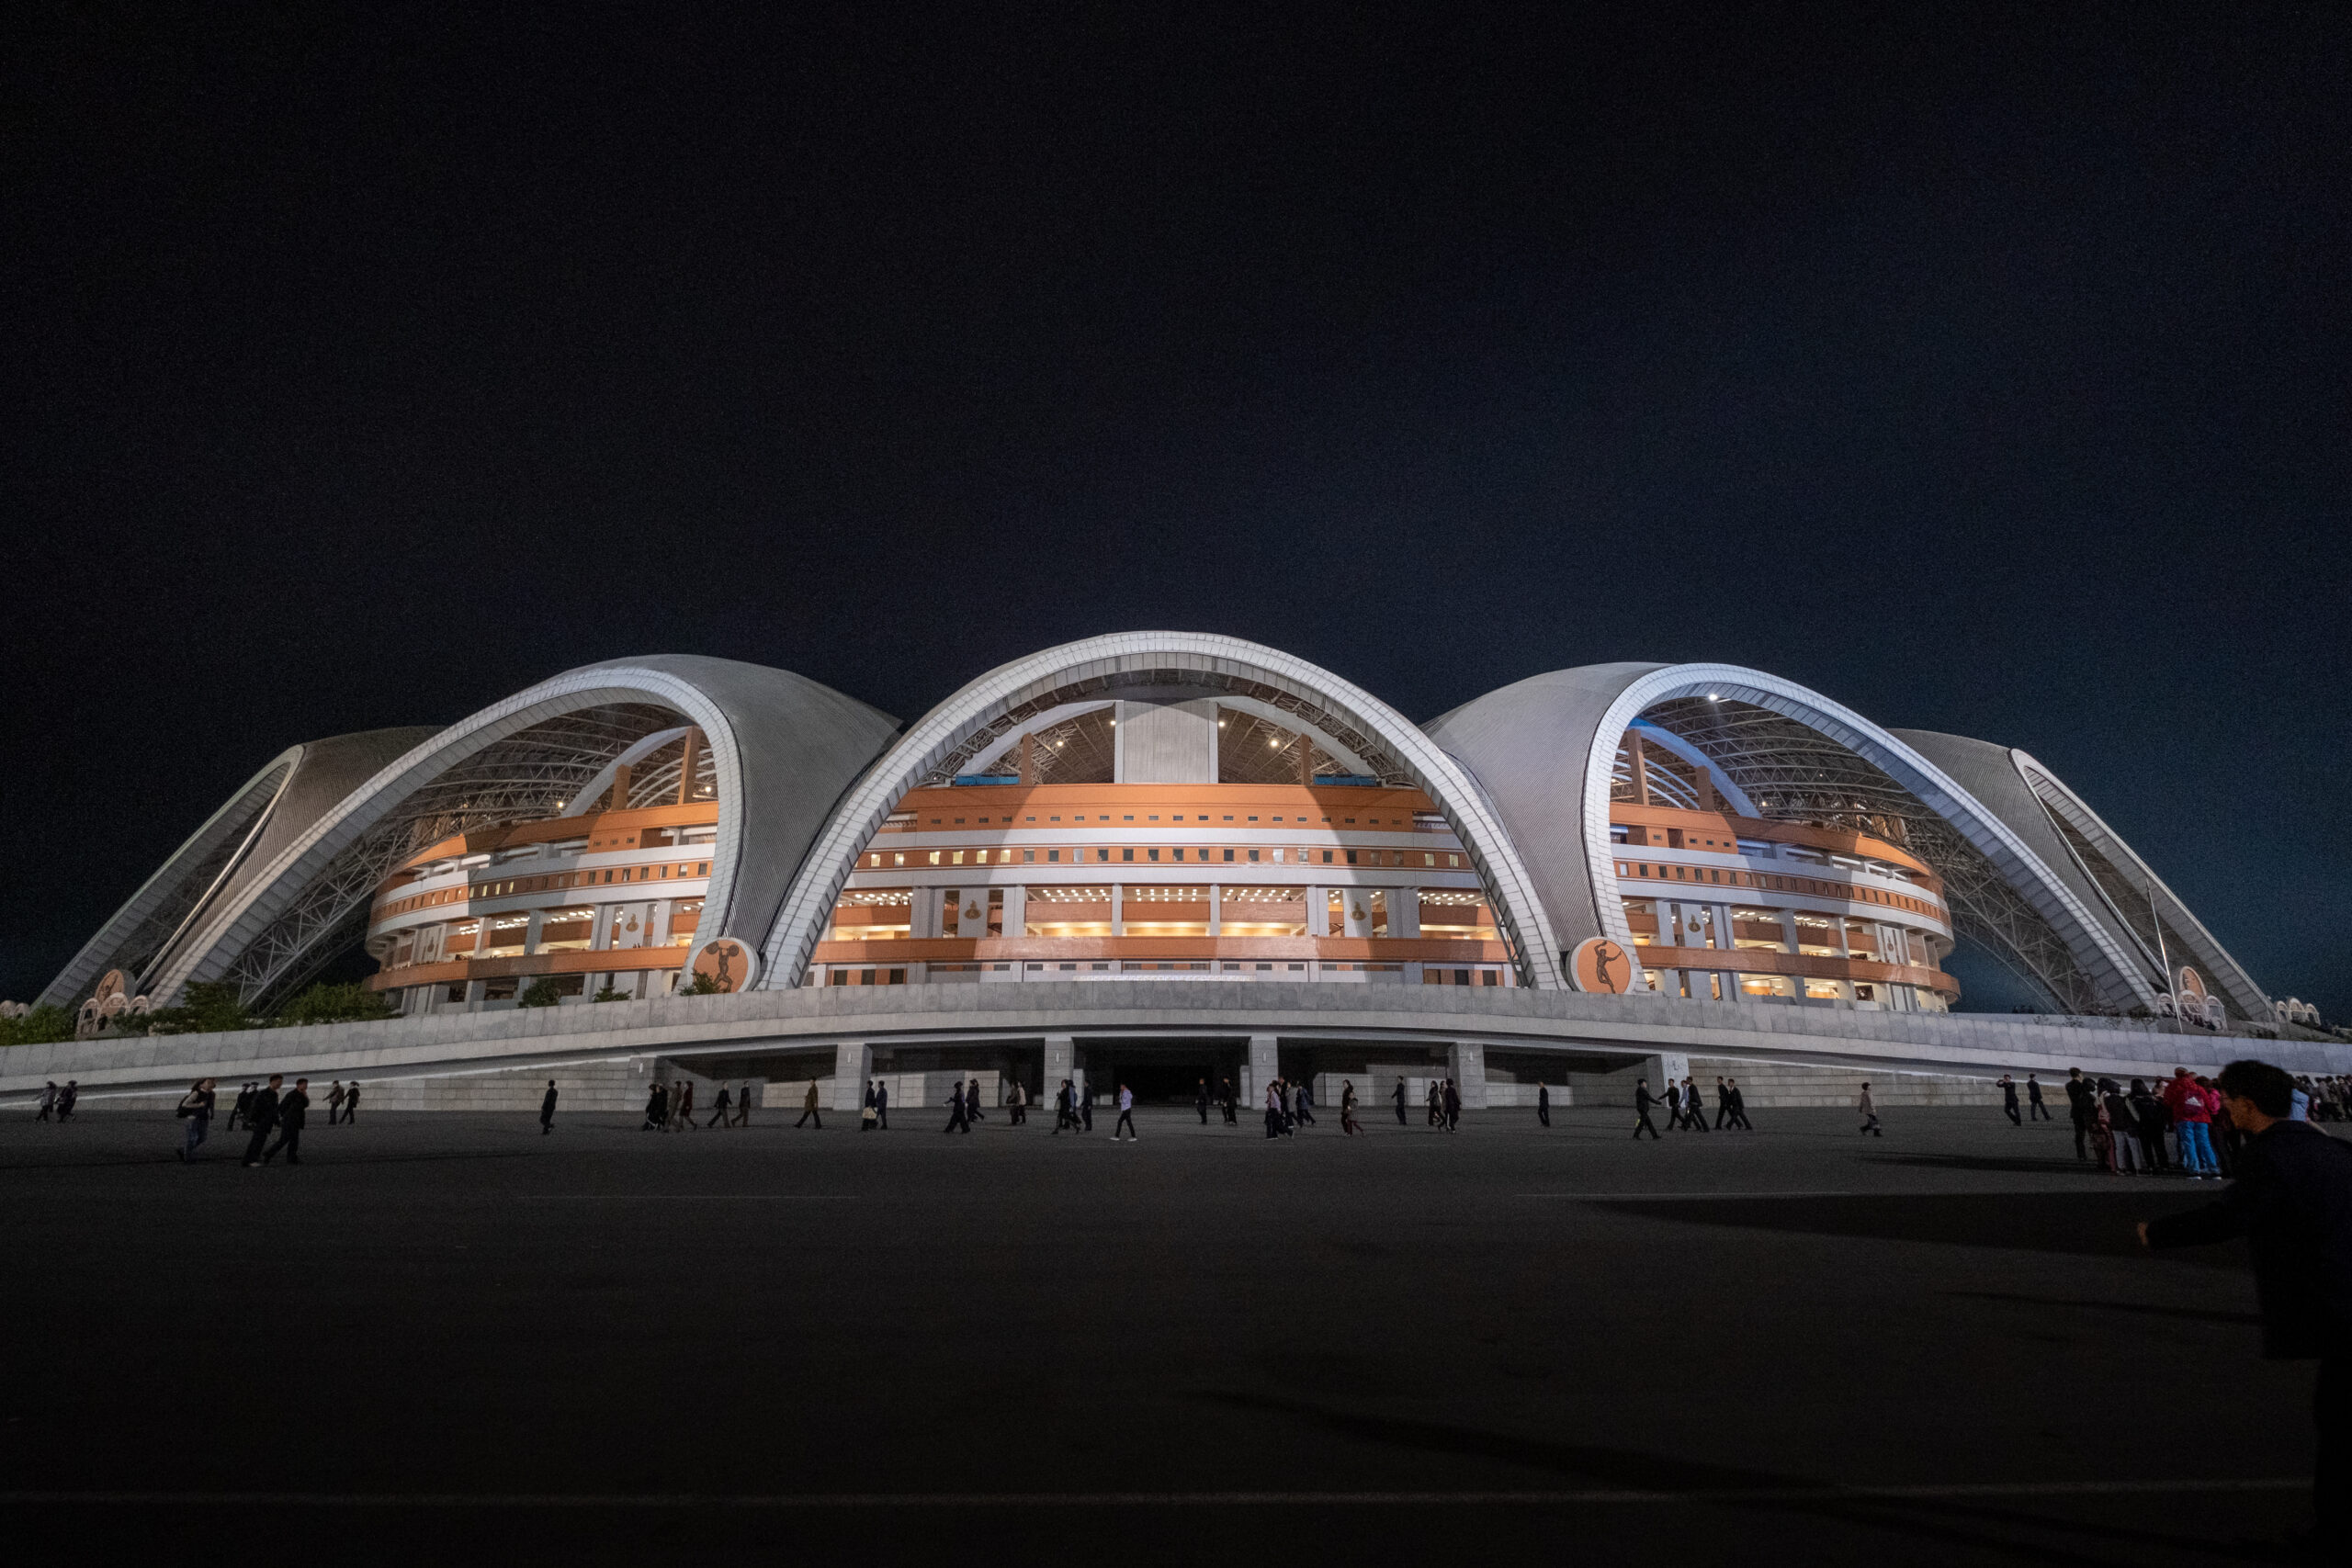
x=1061, y=1057
x=1404, y=911
x=1468, y=1070
x=853, y=1069
x=1318, y=911
x=922, y=915
x=1264, y=1063
x=1118, y=911
x=1789, y=928
x=531, y=931
x=1670, y=1067
x=1017, y=912
x=1216, y=910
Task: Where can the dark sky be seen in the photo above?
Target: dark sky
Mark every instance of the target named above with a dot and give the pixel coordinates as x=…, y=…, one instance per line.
x=1984, y=368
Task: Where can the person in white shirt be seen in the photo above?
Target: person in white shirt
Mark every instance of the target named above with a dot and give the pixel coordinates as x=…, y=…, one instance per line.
x=1126, y=1116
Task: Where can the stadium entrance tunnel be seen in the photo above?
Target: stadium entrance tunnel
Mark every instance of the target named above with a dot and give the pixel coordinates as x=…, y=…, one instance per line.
x=1161, y=1072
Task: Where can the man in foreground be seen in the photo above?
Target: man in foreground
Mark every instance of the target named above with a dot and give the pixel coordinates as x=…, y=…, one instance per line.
x=2293, y=1199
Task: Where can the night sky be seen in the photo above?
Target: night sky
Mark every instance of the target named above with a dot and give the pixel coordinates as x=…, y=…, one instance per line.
x=1984, y=368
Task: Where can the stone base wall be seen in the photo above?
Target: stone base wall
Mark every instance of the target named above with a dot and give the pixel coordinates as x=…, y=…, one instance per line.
x=1766, y=1085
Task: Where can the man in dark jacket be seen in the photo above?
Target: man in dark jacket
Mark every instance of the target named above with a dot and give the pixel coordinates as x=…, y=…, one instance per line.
x=546, y=1110
x=1643, y=1101
x=2293, y=1199
x=292, y=1111
x=261, y=1115
x=1543, y=1103
x=2148, y=1118
x=2082, y=1105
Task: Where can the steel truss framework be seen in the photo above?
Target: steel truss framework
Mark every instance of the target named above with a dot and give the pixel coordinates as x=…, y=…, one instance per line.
x=2130, y=901
x=1108, y=688
x=235, y=830
x=1795, y=773
x=530, y=774
x=654, y=781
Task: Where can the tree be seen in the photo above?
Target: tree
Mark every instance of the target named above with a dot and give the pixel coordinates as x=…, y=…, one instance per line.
x=44, y=1025
x=206, y=1007
x=702, y=986
x=348, y=1003
x=610, y=995
x=540, y=993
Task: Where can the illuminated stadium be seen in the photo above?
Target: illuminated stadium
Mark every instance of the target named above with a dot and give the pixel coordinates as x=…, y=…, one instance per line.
x=1212, y=830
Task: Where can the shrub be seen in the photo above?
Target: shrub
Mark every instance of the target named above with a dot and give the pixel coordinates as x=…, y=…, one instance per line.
x=348, y=1003
x=208, y=1006
x=540, y=993
x=45, y=1024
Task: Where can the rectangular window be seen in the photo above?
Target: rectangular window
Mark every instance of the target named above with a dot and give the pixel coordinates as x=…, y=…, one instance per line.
x=1229, y=856
x=1352, y=857
x=934, y=857
x=1253, y=857
x=1327, y=857
x=1028, y=857
x=1053, y=857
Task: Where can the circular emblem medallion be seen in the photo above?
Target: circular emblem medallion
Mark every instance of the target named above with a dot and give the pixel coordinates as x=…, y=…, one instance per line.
x=727, y=964
x=1600, y=964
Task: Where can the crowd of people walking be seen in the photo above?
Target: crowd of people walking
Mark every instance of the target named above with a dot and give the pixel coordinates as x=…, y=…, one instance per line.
x=1686, y=1107
x=2181, y=1125
x=670, y=1107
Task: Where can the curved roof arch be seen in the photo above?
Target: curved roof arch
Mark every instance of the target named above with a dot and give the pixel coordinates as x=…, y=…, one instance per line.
x=1545, y=748
x=783, y=747
x=220, y=859
x=2111, y=877
x=1129, y=665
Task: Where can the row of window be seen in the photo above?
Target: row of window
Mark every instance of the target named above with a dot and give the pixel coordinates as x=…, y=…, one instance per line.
x=471, y=892
x=1432, y=975
x=1707, y=986
x=906, y=822
x=1638, y=869
x=560, y=930
x=1171, y=854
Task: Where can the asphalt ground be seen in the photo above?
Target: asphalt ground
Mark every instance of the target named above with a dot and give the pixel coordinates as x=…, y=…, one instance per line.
x=450, y=1336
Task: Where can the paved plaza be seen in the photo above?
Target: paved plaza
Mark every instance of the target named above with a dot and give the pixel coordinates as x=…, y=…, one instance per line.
x=453, y=1335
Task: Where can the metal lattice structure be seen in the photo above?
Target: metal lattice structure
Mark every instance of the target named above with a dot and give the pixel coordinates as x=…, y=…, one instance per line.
x=654, y=781
x=1672, y=781
x=1168, y=684
x=1079, y=750
x=532, y=773
x=234, y=832
x=1796, y=773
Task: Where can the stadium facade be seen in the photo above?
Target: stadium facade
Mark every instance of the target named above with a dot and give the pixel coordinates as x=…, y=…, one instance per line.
x=1193, y=812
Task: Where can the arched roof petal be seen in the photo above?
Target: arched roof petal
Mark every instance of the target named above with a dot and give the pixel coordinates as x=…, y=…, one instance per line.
x=1545, y=748
x=1129, y=665
x=784, y=748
